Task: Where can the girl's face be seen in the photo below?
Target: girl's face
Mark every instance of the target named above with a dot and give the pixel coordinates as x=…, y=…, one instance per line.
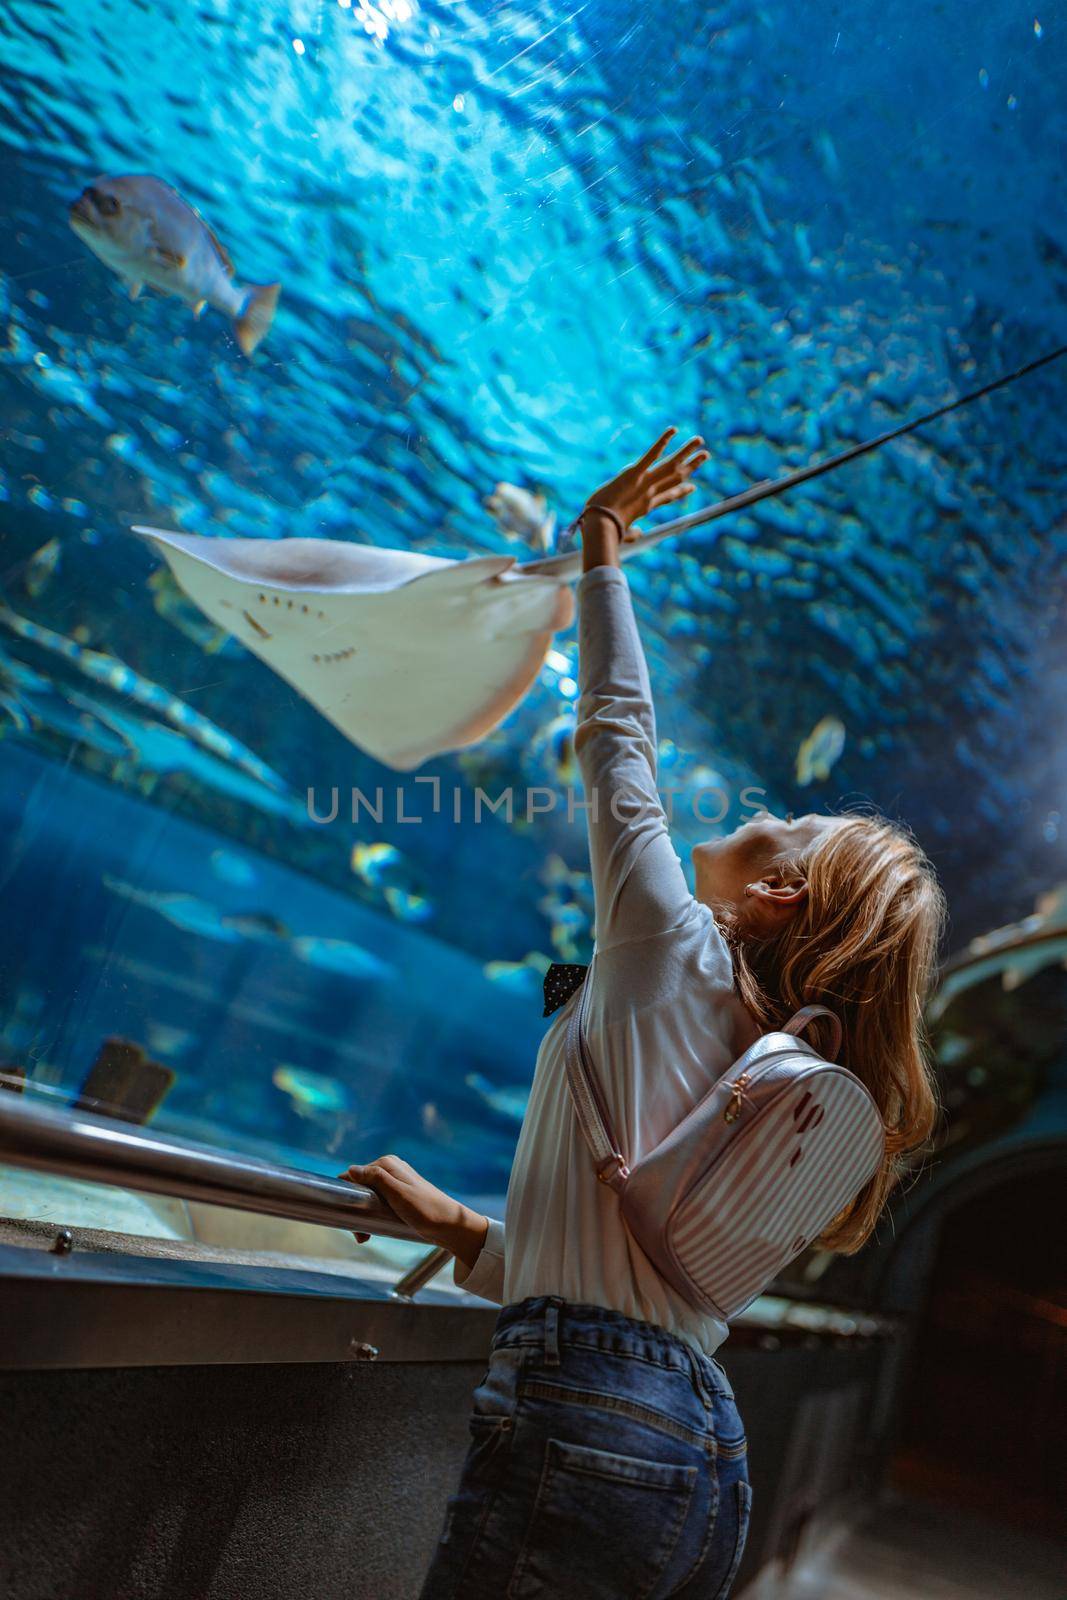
x=727, y=870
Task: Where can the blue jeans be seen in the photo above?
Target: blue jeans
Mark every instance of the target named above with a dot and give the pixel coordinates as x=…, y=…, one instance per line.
x=607, y=1462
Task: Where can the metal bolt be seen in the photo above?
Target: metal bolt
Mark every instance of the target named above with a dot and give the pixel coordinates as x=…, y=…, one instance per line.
x=63, y=1243
x=362, y=1351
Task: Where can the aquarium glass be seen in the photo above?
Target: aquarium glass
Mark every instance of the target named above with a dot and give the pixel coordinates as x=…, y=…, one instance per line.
x=514, y=242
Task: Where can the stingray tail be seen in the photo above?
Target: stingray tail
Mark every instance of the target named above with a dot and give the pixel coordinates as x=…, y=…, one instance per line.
x=257, y=314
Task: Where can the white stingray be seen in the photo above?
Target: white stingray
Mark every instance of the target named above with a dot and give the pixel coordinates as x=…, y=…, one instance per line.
x=411, y=655
x=408, y=655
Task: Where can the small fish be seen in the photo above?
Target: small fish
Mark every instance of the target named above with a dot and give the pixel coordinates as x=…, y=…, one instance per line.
x=338, y=955
x=256, y=925
x=552, y=750
x=185, y=911
x=820, y=751
x=375, y=863
x=233, y=868
x=382, y=867
x=408, y=905
x=519, y=977
x=15, y=714
x=507, y=1102
x=556, y=874
x=568, y=906
x=171, y=603
x=41, y=568
x=430, y=1118
x=143, y=230
x=570, y=925
x=312, y=1094
x=522, y=515
x=166, y=1040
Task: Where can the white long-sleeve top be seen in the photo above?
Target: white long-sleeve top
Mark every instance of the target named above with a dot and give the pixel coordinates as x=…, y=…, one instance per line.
x=662, y=1018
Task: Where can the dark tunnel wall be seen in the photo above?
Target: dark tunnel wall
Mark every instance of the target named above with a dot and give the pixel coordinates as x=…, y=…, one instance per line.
x=994, y=1326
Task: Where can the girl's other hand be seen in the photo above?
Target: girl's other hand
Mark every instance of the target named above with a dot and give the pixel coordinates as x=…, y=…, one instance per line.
x=651, y=482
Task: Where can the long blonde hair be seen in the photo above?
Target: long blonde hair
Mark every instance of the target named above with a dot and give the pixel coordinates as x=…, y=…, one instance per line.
x=865, y=944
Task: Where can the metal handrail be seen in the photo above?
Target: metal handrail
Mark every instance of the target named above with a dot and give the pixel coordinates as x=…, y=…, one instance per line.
x=79, y=1144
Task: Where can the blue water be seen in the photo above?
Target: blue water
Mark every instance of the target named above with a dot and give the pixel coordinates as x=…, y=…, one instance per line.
x=514, y=242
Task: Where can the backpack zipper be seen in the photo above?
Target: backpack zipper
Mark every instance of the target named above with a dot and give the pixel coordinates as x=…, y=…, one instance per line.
x=738, y=1096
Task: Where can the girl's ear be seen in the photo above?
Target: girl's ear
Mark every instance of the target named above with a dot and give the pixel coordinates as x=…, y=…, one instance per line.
x=772, y=902
x=788, y=891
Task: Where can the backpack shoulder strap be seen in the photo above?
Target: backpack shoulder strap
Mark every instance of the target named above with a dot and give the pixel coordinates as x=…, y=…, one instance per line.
x=800, y=1019
x=592, y=1114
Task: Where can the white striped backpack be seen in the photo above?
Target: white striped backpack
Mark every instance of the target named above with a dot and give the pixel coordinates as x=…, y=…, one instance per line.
x=764, y=1161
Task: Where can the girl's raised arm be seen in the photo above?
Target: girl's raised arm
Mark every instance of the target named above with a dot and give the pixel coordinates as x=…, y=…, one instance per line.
x=638, y=882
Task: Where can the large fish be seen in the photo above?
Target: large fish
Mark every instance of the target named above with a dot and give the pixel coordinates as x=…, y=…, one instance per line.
x=142, y=229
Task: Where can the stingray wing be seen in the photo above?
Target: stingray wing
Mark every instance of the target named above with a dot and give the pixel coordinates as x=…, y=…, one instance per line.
x=408, y=655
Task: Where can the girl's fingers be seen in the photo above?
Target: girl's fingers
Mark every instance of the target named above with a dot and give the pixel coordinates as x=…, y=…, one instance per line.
x=654, y=450
x=695, y=443
x=357, y=1174
x=691, y=456
x=693, y=464
x=387, y=1164
x=354, y=1174
x=694, y=452
x=374, y=1176
x=677, y=491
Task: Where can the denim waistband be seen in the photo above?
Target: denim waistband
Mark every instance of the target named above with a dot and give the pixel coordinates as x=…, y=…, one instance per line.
x=549, y=1320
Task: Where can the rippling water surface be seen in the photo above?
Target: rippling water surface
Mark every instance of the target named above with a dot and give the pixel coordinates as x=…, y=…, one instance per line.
x=514, y=242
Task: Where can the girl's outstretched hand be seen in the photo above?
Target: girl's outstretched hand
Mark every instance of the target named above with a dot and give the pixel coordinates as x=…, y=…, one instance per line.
x=652, y=482
x=434, y=1215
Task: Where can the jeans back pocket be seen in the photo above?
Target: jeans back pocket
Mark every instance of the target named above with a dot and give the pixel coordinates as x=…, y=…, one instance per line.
x=603, y=1525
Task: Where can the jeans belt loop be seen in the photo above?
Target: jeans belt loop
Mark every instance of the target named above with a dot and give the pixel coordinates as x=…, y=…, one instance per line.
x=700, y=1383
x=552, y=1332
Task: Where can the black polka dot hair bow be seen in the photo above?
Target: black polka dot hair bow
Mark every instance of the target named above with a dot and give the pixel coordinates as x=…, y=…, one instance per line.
x=561, y=981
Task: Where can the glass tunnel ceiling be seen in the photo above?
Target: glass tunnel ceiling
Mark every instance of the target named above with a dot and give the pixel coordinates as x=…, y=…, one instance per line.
x=514, y=242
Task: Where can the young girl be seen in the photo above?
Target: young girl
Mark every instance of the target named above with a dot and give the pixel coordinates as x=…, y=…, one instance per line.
x=608, y=1459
